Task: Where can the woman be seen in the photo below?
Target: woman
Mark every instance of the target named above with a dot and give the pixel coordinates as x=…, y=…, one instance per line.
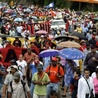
x=74, y=84
x=95, y=81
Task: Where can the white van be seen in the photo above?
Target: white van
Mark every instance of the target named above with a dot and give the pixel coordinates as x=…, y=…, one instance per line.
x=58, y=24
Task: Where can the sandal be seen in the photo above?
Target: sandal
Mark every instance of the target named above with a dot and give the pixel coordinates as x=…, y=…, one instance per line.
x=63, y=95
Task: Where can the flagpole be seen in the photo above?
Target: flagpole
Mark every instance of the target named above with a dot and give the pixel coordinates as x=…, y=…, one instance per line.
x=79, y=6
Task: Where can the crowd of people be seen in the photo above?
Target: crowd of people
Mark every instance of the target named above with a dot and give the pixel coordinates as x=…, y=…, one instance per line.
x=31, y=76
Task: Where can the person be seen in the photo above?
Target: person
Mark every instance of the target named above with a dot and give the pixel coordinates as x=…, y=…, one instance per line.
x=70, y=67
x=26, y=43
x=74, y=84
x=33, y=70
x=55, y=73
x=21, y=62
x=2, y=75
x=94, y=73
x=83, y=88
x=17, y=42
x=18, y=88
x=91, y=60
x=40, y=80
x=53, y=94
x=95, y=81
x=8, y=79
x=29, y=57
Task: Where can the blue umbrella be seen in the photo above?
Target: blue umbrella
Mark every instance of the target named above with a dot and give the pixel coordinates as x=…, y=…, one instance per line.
x=71, y=53
x=49, y=53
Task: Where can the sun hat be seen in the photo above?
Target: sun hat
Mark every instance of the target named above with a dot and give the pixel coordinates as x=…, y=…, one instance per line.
x=16, y=75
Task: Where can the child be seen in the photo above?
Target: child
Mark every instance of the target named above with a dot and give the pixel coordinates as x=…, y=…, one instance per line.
x=53, y=94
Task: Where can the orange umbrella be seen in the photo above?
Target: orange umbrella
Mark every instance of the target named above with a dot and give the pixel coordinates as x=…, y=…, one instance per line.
x=69, y=44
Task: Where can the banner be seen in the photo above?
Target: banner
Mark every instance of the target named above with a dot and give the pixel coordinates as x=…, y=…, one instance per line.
x=88, y=1
x=12, y=53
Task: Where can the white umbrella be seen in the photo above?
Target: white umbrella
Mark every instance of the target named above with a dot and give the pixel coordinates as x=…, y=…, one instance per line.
x=18, y=20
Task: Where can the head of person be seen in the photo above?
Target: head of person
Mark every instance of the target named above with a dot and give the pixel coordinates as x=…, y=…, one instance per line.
x=29, y=51
x=96, y=71
x=20, y=57
x=86, y=73
x=77, y=73
x=54, y=61
x=14, y=68
x=40, y=68
x=13, y=62
x=53, y=94
x=93, y=49
x=17, y=77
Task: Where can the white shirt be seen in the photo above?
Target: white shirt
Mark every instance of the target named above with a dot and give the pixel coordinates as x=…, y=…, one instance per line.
x=83, y=88
x=19, y=29
x=93, y=75
x=23, y=64
x=18, y=91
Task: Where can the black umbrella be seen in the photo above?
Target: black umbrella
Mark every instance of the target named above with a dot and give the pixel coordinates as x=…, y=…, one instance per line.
x=63, y=38
x=80, y=35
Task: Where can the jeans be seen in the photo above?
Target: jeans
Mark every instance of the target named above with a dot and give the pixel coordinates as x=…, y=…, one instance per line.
x=32, y=90
x=38, y=96
x=52, y=86
x=74, y=94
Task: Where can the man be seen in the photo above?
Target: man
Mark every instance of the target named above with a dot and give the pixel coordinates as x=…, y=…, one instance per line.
x=29, y=56
x=8, y=79
x=40, y=80
x=18, y=88
x=2, y=74
x=23, y=64
x=83, y=88
x=91, y=60
x=33, y=70
x=55, y=73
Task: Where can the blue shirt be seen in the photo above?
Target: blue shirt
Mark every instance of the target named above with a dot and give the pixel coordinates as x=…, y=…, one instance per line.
x=33, y=68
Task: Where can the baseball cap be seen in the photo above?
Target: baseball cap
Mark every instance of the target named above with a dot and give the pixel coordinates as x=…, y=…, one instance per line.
x=16, y=75
x=54, y=59
x=40, y=66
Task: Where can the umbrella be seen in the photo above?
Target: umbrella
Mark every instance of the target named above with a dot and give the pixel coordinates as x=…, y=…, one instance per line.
x=96, y=18
x=49, y=53
x=63, y=37
x=69, y=44
x=18, y=20
x=71, y=53
x=27, y=10
x=9, y=11
x=41, y=32
x=80, y=35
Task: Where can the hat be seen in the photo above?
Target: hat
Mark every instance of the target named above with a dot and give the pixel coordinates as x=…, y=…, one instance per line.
x=8, y=69
x=16, y=75
x=40, y=66
x=54, y=59
x=14, y=66
x=82, y=41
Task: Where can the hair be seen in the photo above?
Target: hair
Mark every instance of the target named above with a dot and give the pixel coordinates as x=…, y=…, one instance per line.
x=53, y=92
x=86, y=69
x=78, y=72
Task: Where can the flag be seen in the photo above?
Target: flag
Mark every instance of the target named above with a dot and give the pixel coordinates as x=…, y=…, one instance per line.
x=51, y=5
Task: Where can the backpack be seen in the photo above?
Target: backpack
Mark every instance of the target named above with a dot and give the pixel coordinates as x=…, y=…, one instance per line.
x=58, y=70
x=23, y=84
